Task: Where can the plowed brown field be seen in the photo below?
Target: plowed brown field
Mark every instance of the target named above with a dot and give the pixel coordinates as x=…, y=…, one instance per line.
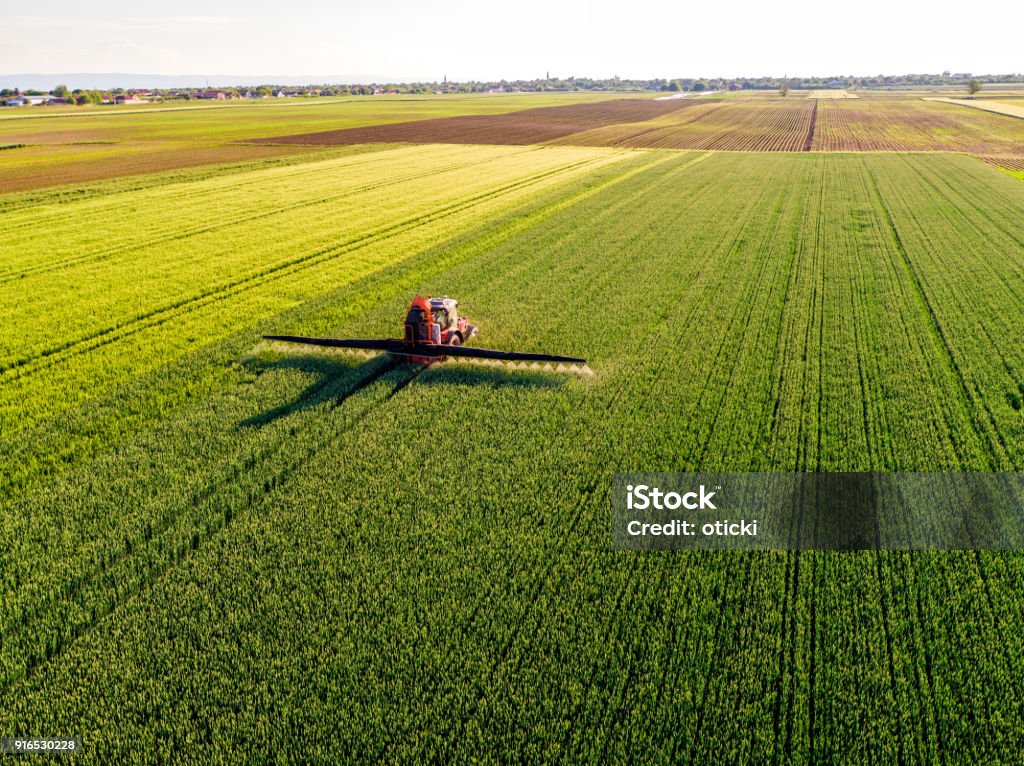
x=755, y=125
x=529, y=126
x=38, y=167
x=734, y=124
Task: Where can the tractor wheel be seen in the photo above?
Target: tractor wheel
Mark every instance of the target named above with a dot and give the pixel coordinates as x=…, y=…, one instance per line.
x=455, y=340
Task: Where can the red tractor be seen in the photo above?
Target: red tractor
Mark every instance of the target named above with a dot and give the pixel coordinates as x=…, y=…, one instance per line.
x=437, y=320
x=433, y=331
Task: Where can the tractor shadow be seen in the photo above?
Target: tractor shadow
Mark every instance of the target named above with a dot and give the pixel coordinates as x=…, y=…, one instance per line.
x=339, y=378
x=334, y=381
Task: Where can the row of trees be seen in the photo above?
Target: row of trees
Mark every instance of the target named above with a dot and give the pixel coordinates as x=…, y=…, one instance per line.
x=783, y=85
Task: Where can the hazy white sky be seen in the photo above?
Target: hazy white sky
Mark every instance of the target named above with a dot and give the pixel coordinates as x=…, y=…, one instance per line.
x=466, y=39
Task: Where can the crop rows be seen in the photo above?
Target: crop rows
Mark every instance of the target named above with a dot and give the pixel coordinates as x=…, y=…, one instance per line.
x=90, y=144
x=914, y=125
x=226, y=266
x=869, y=124
x=526, y=126
x=735, y=125
x=41, y=166
x=400, y=564
x=1007, y=162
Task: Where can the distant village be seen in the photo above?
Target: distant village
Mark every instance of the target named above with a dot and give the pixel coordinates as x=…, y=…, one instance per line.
x=15, y=97
x=62, y=95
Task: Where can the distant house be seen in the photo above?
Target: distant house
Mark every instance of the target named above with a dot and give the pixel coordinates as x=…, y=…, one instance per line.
x=213, y=95
x=280, y=94
x=27, y=100
x=127, y=98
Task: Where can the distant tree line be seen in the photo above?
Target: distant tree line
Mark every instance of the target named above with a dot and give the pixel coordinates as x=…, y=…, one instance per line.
x=973, y=83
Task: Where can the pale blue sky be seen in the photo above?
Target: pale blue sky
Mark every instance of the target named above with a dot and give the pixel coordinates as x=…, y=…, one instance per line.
x=480, y=40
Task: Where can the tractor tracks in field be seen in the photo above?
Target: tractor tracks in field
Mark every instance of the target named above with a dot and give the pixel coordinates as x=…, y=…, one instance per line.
x=244, y=217
x=809, y=140
x=994, y=439
x=177, y=536
x=173, y=540
x=785, y=686
x=612, y=401
x=678, y=315
x=1011, y=290
x=235, y=179
x=43, y=360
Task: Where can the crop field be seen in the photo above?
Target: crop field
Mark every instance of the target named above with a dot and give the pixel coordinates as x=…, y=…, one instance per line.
x=527, y=126
x=1013, y=163
x=45, y=149
x=832, y=93
x=211, y=544
x=915, y=125
x=794, y=124
x=745, y=123
x=56, y=146
x=755, y=124
x=999, y=107
x=729, y=125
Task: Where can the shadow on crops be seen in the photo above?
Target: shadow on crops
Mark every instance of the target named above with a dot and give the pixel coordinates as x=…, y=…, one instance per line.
x=336, y=379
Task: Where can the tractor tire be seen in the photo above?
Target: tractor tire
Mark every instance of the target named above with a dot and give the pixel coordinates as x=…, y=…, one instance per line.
x=455, y=340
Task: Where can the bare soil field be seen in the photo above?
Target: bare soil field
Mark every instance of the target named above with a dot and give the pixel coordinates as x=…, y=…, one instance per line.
x=780, y=125
x=529, y=126
x=38, y=167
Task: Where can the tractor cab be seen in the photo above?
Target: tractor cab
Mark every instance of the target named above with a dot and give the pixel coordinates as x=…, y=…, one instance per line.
x=437, y=321
x=445, y=312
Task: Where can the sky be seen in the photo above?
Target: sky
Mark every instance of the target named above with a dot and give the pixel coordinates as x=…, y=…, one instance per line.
x=478, y=40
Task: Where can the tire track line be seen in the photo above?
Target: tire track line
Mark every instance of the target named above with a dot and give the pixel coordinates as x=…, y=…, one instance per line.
x=997, y=447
